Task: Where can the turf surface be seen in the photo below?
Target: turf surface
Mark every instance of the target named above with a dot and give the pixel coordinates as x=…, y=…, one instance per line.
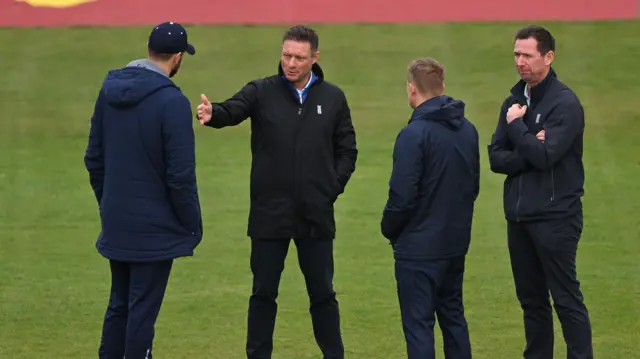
x=54, y=285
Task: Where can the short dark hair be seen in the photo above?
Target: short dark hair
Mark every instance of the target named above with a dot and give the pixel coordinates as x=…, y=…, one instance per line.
x=302, y=33
x=545, y=40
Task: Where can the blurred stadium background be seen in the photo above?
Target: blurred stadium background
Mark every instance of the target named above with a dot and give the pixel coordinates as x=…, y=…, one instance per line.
x=54, y=285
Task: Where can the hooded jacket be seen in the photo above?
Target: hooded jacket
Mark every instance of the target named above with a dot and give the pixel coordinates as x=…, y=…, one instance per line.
x=141, y=164
x=434, y=183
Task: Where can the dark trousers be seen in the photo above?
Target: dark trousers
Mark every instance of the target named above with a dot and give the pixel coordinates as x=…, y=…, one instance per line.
x=315, y=258
x=543, y=261
x=137, y=291
x=427, y=289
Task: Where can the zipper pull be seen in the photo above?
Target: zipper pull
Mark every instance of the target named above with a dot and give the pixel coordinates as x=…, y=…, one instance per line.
x=299, y=110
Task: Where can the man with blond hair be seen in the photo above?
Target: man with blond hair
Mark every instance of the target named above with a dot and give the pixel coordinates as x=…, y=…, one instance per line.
x=434, y=184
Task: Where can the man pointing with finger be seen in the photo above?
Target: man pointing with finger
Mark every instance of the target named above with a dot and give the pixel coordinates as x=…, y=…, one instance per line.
x=303, y=154
x=538, y=145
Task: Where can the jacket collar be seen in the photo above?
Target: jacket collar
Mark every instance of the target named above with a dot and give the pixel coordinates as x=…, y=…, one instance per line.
x=538, y=91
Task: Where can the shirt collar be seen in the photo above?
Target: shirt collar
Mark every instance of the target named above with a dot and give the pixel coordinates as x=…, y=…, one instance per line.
x=311, y=78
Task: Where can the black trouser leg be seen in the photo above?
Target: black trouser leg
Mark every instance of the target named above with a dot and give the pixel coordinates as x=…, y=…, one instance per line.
x=557, y=245
x=532, y=292
x=424, y=289
x=147, y=287
x=114, y=327
x=417, y=295
x=450, y=312
x=267, y=263
x=140, y=287
x=315, y=258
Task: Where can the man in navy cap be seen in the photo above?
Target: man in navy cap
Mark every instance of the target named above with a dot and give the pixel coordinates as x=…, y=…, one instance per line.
x=167, y=43
x=141, y=163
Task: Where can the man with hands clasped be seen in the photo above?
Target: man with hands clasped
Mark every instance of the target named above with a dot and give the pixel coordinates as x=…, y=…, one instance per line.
x=538, y=144
x=517, y=111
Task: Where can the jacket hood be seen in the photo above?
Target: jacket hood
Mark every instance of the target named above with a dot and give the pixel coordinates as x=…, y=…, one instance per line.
x=443, y=109
x=129, y=86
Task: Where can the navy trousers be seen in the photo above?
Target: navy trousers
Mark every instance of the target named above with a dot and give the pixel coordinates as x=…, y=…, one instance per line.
x=430, y=289
x=543, y=261
x=315, y=258
x=137, y=291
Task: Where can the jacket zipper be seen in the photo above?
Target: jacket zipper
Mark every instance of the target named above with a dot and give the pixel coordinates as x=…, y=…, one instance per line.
x=522, y=174
x=519, y=197
x=553, y=187
x=296, y=190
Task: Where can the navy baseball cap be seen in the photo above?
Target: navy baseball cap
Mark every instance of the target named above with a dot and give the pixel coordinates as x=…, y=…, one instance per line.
x=170, y=38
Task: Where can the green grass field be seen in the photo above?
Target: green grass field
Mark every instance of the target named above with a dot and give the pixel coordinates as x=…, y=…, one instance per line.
x=54, y=285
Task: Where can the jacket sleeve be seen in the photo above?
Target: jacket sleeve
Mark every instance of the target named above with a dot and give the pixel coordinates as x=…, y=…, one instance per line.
x=236, y=109
x=565, y=123
x=345, y=150
x=94, y=154
x=403, y=186
x=476, y=167
x=180, y=159
x=503, y=157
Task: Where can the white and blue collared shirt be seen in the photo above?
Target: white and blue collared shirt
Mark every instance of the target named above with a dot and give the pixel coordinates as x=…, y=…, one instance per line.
x=301, y=95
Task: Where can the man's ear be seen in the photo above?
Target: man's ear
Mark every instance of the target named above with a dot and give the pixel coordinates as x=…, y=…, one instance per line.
x=411, y=87
x=549, y=57
x=316, y=56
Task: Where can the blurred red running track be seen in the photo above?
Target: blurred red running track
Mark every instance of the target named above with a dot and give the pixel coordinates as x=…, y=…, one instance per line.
x=149, y=12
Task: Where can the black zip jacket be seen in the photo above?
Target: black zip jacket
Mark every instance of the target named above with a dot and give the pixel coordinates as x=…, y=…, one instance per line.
x=545, y=180
x=303, y=155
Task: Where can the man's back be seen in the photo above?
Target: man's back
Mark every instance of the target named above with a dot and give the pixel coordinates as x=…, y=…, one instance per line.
x=441, y=147
x=148, y=196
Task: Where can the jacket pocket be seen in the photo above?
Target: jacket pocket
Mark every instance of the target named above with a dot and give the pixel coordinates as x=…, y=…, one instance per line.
x=540, y=192
x=337, y=188
x=511, y=195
